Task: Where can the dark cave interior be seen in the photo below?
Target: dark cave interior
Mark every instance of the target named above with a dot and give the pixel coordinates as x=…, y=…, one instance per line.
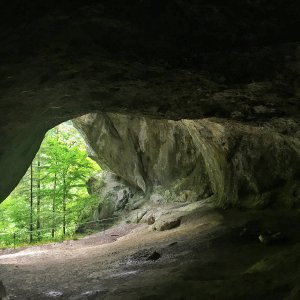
x=199, y=104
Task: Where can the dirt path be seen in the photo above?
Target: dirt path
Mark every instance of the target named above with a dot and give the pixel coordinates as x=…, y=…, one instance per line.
x=196, y=258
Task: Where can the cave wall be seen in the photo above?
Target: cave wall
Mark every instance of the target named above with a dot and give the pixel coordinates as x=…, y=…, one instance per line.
x=147, y=153
x=189, y=160
x=164, y=59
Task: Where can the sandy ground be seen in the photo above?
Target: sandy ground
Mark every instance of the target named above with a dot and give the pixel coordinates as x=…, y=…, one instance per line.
x=197, y=260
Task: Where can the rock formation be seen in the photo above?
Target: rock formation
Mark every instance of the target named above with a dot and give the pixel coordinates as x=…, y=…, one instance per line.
x=186, y=99
x=162, y=58
x=188, y=160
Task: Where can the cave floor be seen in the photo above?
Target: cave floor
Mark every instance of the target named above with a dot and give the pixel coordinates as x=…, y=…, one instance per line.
x=211, y=255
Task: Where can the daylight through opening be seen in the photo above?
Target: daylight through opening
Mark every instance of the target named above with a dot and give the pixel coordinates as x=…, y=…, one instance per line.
x=51, y=201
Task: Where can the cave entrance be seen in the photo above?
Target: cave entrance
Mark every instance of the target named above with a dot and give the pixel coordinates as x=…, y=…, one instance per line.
x=171, y=240
x=52, y=198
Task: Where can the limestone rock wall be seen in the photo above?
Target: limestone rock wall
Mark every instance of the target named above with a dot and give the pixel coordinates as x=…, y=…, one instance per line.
x=147, y=153
x=160, y=58
x=188, y=160
x=114, y=195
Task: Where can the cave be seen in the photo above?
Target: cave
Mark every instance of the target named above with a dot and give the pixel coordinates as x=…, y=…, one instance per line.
x=192, y=108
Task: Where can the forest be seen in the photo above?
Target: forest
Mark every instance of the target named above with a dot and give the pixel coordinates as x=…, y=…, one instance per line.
x=52, y=199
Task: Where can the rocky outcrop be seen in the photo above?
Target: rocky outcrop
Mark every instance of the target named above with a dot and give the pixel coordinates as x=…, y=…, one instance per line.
x=158, y=157
x=115, y=195
x=188, y=160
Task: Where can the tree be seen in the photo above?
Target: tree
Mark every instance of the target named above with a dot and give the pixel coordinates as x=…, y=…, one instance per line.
x=67, y=168
x=31, y=205
x=52, y=195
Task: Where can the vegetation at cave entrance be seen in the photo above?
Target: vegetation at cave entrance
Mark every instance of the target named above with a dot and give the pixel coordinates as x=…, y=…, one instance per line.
x=52, y=198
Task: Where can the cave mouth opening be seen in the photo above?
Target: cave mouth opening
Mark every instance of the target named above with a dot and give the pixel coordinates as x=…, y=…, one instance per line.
x=65, y=193
x=52, y=199
x=159, y=174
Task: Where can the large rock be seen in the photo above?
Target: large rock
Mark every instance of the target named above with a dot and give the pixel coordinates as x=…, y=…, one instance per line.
x=188, y=160
x=166, y=223
x=158, y=157
x=114, y=195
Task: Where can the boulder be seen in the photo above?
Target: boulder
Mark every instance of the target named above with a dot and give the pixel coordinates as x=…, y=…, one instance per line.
x=167, y=223
x=114, y=195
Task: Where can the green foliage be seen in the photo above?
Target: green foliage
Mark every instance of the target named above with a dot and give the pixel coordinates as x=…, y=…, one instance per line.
x=52, y=197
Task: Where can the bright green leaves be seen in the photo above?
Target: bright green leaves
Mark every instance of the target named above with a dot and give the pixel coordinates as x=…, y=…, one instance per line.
x=57, y=187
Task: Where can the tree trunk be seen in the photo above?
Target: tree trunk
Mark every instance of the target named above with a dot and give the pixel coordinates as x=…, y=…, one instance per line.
x=31, y=205
x=53, y=205
x=64, y=205
x=38, y=201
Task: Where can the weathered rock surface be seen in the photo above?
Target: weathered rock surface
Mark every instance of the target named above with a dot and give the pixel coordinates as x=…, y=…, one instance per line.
x=158, y=157
x=188, y=160
x=114, y=195
x=167, y=223
x=162, y=58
